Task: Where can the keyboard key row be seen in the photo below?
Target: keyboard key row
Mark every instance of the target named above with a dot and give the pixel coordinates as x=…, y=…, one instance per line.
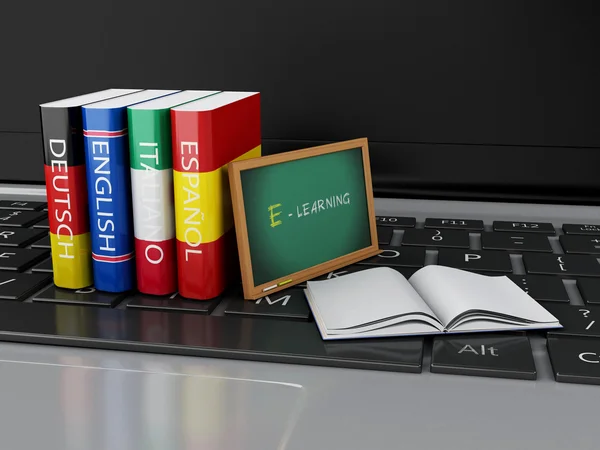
x=490, y=240
x=488, y=261
x=546, y=228
x=478, y=225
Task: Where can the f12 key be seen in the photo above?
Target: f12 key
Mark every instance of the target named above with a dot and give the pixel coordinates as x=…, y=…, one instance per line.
x=525, y=227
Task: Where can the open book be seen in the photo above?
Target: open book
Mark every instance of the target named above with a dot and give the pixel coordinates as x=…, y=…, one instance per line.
x=381, y=302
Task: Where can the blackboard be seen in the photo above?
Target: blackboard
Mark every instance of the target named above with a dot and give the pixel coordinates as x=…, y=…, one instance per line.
x=301, y=214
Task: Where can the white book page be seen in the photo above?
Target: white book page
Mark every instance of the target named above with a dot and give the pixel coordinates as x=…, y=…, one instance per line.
x=401, y=329
x=419, y=320
x=362, y=298
x=450, y=292
x=486, y=325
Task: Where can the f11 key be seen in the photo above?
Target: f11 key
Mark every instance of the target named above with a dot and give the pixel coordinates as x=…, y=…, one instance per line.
x=455, y=224
x=566, y=265
x=525, y=227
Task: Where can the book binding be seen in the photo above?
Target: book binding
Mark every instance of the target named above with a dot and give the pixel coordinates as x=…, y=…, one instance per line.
x=66, y=192
x=204, y=143
x=109, y=197
x=152, y=199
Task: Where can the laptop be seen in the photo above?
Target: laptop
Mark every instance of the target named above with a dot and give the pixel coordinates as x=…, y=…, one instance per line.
x=550, y=249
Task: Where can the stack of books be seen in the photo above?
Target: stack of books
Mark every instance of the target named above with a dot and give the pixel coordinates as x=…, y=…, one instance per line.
x=137, y=188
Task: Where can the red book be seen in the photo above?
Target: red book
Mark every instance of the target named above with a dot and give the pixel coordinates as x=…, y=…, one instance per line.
x=208, y=134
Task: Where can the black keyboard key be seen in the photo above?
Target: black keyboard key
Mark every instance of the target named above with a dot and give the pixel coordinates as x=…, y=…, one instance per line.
x=436, y=238
x=575, y=360
x=172, y=303
x=20, y=259
x=395, y=221
x=543, y=288
x=19, y=237
x=384, y=235
x=454, y=224
x=287, y=304
x=392, y=256
x=580, y=244
x=583, y=229
x=407, y=350
x=19, y=286
x=492, y=355
x=22, y=205
x=407, y=272
x=341, y=272
x=44, y=224
x=565, y=265
x=21, y=218
x=521, y=242
x=524, y=227
x=335, y=274
x=589, y=288
x=582, y=321
x=42, y=243
x=477, y=261
x=86, y=296
x=44, y=266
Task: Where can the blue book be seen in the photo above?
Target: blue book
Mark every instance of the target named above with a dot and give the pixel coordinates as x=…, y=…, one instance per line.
x=106, y=146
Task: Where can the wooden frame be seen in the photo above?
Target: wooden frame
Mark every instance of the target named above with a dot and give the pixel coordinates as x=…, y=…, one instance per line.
x=252, y=292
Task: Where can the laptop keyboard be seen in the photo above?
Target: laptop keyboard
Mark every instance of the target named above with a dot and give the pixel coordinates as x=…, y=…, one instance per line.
x=557, y=264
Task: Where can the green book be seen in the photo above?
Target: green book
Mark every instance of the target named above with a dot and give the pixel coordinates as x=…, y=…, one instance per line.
x=151, y=163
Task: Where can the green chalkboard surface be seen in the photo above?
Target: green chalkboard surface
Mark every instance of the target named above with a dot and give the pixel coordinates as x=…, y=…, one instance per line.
x=302, y=214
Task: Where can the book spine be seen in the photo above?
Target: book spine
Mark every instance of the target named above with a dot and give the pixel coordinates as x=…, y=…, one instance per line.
x=204, y=143
x=152, y=200
x=109, y=192
x=64, y=171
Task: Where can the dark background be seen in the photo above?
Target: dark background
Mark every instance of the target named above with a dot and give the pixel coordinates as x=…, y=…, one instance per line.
x=459, y=99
